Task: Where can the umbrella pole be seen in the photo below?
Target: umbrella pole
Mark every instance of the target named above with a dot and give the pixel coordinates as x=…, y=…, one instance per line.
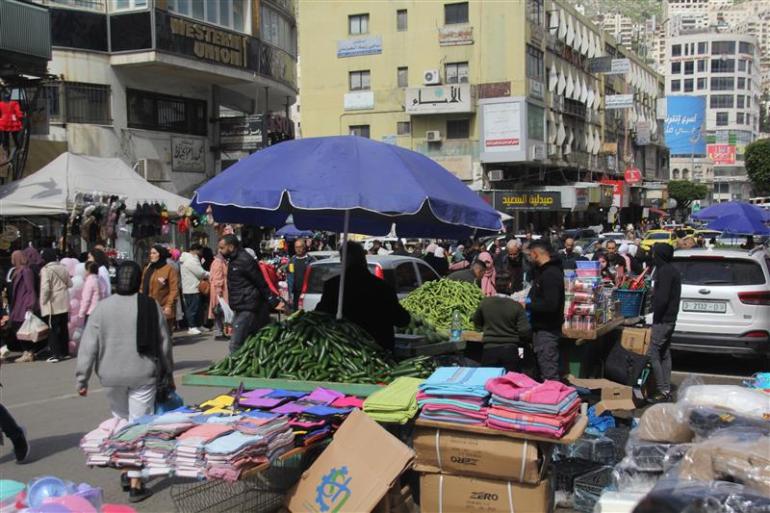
x=344, y=263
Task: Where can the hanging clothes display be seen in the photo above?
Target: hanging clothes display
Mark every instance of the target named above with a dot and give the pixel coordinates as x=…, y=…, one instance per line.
x=10, y=116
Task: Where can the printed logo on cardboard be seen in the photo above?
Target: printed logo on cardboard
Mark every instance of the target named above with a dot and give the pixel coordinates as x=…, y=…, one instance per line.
x=334, y=490
x=464, y=460
x=484, y=496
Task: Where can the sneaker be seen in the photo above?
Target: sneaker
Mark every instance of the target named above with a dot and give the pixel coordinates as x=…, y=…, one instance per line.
x=125, y=482
x=659, y=398
x=139, y=494
x=53, y=359
x=193, y=331
x=21, y=449
x=26, y=357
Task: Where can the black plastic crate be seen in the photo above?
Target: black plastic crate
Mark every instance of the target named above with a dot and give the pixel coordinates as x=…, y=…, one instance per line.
x=619, y=435
x=566, y=471
x=589, y=487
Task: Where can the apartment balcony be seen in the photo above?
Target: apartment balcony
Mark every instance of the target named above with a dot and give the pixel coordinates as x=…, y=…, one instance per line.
x=25, y=38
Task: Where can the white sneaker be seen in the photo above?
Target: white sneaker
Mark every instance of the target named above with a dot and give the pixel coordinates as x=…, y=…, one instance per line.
x=193, y=331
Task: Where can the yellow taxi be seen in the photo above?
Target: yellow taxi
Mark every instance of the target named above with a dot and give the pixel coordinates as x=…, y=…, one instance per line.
x=656, y=236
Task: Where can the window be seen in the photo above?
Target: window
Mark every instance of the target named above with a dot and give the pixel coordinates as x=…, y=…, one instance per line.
x=535, y=122
x=359, y=130
x=703, y=48
x=536, y=12
x=722, y=118
x=748, y=102
x=358, y=24
x=746, y=48
x=722, y=101
x=740, y=101
x=741, y=65
x=458, y=129
x=748, y=69
x=722, y=83
x=702, y=84
x=701, y=65
x=748, y=84
x=402, y=77
x=227, y=13
x=727, y=272
x=723, y=65
x=402, y=22
x=455, y=13
x=403, y=128
x=689, y=67
x=741, y=83
x=426, y=273
x=688, y=85
x=152, y=111
x=676, y=68
x=676, y=86
x=406, y=278
x=739, y=118
x=359, y=80
x=277, y=30
x=676, y=50
x=456, y=72
x=128, y=5
x=535, y=63
x=723, y=48
x=79, y=102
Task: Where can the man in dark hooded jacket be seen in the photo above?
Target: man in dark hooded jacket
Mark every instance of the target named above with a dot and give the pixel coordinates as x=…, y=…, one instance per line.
x=546, y=308
x=666, y=293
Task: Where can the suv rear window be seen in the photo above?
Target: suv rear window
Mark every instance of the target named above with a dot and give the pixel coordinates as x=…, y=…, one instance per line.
x=322, y=272
x=719, y=271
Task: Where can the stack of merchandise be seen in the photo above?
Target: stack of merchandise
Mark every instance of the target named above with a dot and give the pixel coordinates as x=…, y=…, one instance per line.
x=521, y=404
x=586, y=305
x=396, y=403
x=457, y=394
x=189, y=459
x=93, y=443
x=228, y=455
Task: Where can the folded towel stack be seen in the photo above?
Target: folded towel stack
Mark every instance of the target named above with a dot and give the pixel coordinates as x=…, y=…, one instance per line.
x=457, y=394
x=396, y=403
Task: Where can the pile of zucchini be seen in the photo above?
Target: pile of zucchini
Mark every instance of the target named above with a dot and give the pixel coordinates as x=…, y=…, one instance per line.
x=313, y=346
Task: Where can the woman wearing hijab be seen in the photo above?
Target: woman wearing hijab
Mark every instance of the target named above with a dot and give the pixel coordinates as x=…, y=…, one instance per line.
x=55, y=283
x=439, y=264
x=100, y=257
x=127, y=340
x=490, y=275
x=160, y=281
x=24, y=294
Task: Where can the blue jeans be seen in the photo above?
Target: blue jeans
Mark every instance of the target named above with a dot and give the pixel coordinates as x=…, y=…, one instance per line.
x=192, y=303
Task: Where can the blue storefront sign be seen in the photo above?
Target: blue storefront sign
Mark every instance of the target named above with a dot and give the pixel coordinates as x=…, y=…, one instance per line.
x=685, y=125
x=359, y=46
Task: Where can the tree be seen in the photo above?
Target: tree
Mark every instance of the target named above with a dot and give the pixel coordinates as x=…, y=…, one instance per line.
x=764, y=113
x=758, y=165
x=685, y=192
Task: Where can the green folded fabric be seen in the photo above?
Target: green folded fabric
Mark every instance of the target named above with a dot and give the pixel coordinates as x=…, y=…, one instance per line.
x=396, y=403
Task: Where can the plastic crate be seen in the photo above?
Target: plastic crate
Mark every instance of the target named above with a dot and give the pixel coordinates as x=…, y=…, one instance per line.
x=566, y=471
x=588, y=264
x=589, y=487
x=631, y=302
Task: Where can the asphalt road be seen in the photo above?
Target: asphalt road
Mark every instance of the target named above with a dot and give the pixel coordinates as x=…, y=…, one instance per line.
x=43, y=399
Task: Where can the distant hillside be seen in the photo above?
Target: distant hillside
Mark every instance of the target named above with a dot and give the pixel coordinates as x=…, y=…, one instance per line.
x=637, y=10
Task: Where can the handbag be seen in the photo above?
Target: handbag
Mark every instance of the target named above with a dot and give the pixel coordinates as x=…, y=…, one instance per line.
x=33, y=329
x=204, y=287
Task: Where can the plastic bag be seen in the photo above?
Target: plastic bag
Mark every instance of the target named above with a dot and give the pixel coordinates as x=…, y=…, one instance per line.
x=33, y=329
x=672, y=496
x=660, y=423
x=746, y=402
x=172, y=402
x=227, y=312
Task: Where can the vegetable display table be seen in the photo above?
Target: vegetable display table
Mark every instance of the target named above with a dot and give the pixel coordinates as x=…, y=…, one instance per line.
x=204, y=379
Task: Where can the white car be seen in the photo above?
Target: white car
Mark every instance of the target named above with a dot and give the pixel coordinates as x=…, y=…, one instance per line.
x=725, y=302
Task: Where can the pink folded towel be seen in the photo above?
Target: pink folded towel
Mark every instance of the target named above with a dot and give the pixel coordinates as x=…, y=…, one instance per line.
x=520, y=387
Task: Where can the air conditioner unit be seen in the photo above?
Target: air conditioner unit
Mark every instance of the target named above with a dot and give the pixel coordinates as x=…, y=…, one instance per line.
x=151, y=170
x=433, y=136
x=431, y=77
x=495, y=175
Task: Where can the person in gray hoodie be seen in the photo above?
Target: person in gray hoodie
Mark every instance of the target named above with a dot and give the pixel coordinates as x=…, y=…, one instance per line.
x=127, y=342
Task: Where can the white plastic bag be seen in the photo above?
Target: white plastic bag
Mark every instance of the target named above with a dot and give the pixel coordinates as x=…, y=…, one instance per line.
x=227, y=313
x=32, y=329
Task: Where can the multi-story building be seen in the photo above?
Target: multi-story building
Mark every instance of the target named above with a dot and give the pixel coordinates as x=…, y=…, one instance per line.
x=150, y=81
x=723, y=69
x=685, y=15
x=619, y=26
x=514, y=107
x=754, y=20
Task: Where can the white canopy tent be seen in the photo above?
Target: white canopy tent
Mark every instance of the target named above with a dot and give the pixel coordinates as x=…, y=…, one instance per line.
x=53, y=189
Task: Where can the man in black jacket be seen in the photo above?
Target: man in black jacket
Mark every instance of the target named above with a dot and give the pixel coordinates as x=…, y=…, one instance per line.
x=546, y=308
x=369, y=301
x=248, y=294
x=511, y=266
x=666, y=293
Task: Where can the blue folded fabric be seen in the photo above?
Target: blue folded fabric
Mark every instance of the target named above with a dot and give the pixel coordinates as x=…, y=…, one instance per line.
x=232, y=443
x=455, y=419
x=325, y=411
x=460, y=380
x=286, y=394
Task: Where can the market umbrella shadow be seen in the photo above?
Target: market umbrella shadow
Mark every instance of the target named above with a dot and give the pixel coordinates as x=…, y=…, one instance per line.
x=45, y=446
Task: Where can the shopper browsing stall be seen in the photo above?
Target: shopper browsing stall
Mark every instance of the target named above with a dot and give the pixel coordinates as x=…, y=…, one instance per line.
x=547, y=308
x=505, y=326
x=160, y=281
x=23, y=301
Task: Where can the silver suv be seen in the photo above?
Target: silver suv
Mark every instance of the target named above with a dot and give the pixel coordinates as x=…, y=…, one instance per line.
x=725, y=303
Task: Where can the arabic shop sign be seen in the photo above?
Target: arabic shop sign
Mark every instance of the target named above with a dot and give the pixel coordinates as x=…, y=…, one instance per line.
x=359, y=46
x=241, y=133
x=505, y=201
x=453, y=35
x=443, y=99
x=356, y=100
x=609, y=66
x=618, y=101
x=188, y=154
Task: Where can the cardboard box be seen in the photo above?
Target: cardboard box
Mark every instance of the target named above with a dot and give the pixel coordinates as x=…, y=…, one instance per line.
x=636, y=340
x=440, y=493
x=397, y=500
x=615, y=397
x=354, y=473
x=466, y=454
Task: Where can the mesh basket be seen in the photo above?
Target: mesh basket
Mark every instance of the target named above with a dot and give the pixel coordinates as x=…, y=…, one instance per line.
x=631, y=302
x=589, y=487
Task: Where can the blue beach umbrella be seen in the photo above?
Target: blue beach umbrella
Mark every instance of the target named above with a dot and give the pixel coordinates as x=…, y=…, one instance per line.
x=730, y=208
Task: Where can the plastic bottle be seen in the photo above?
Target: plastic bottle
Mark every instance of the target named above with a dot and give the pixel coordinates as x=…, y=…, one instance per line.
x=457, y=327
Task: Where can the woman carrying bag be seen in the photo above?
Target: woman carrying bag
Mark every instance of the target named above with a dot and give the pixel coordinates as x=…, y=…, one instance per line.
x=127, y=340
x=160, y=281
x=24, y=301
x=55, y=283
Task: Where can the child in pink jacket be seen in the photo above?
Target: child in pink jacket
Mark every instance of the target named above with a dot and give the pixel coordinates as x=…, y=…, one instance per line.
x=91, y=293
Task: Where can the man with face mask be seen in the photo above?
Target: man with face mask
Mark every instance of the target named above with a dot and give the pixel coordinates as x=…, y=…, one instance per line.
x=249, y=295
x=546, y=308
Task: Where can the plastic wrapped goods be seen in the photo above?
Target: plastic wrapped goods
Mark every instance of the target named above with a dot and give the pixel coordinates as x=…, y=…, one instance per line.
x=746, y=402
x=702, y=497
x=618, y=502
x=660, y=423
x=597, y=449
x=705, y=422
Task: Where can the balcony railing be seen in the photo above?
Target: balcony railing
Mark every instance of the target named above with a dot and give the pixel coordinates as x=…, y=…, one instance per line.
x=25, y=29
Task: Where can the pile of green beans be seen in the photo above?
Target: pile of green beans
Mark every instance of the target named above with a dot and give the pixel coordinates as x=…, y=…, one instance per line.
x=435, y=302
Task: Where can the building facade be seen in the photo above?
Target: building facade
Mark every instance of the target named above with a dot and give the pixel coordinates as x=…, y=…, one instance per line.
x=178, y=89
x=516, y=108
x=723, y=69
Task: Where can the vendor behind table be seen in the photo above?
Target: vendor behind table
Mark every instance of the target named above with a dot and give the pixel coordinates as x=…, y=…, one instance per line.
x=506, y=330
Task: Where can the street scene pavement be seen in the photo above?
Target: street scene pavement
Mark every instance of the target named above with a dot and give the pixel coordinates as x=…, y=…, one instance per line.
x=43, y=398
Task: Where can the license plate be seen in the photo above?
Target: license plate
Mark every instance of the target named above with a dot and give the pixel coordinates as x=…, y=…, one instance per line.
x=704, y=306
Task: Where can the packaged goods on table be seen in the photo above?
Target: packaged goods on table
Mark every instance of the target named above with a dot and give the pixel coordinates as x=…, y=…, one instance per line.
x=457, y=394
x=436, y=301
x=587, y=303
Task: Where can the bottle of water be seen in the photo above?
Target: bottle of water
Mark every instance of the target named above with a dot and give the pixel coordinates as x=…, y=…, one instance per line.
x=457, y=327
